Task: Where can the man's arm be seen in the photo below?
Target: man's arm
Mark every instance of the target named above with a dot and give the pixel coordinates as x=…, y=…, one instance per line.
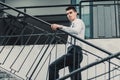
x=73, y=30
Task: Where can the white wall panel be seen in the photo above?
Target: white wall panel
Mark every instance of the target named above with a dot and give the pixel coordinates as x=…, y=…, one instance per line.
x=40, y=11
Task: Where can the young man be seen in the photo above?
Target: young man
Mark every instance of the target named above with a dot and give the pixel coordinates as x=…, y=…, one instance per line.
x=74, y=55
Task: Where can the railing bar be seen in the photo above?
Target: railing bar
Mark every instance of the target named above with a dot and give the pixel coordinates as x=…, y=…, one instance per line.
x=7, y=30
x=42, y=6
x=41, y=58
x=99, y=5
x=48, y=65
x=90, y=65
x=54, y=6
x=109, y=68
x=3, y=49
x=8, y=23
x=105, y=71
x=65, y=57
x=28, y=53
x=9, y=34
x=16, y=42
x=102, y=74
x=91, y=53
x=33, y=35
x=94, y=1
x=98, y=57
x=44, y=61
x=4, y=44
x=18, y=15
x=10, y=50
x=115, y=10
x=38, y=55
x=21, y=50
x=114, y=76
x=118, y=68
x=59, y=37
x=36, y=26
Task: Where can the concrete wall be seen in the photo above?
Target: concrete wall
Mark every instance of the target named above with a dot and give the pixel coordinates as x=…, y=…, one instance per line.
x=20, y=3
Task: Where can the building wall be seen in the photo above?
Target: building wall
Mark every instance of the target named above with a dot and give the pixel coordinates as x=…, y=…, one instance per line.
x=40, y=11
x=19, y=3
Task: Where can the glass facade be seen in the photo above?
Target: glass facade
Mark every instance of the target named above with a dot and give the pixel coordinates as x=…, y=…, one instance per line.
x=85, y=16
x=101, y=18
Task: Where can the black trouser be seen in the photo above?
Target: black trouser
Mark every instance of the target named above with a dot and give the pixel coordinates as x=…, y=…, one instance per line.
x=72, y=59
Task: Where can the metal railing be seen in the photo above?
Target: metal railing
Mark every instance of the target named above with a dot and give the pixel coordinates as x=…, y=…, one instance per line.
x=29, y=62
x=90, y=65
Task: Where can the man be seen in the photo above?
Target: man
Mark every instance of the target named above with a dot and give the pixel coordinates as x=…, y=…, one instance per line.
x=74, y=55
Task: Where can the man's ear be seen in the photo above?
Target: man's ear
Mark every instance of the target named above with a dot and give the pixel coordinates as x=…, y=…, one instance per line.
x=76, y=13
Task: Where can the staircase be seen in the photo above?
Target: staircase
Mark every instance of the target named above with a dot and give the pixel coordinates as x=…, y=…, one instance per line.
x=27, y=50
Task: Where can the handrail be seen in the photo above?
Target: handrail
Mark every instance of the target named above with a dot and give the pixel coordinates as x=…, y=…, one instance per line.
x=99, y=57
x=95, y=0
x=90, y=65
x=114, y=76
x=45, y=6
x=102, y=74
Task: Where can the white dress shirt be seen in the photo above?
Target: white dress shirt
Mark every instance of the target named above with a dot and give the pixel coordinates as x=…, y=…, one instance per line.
x=77, y=28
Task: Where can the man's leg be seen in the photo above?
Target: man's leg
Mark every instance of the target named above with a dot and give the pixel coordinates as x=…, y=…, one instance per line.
x=76, y=60
x=58, y=64
x=76, y=76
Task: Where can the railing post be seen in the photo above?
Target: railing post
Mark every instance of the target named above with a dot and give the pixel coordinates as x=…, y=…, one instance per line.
x=109, y=68
x=25, y=10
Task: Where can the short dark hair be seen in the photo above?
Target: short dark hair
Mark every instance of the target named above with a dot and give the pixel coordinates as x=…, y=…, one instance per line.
x=71, y=7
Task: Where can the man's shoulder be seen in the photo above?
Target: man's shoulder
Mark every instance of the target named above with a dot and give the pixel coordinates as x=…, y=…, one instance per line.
x=78, y=20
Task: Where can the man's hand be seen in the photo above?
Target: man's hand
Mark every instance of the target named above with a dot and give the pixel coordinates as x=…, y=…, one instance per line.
x=55, y=26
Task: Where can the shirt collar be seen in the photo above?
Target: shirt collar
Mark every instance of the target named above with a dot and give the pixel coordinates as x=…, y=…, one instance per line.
x=74, y=20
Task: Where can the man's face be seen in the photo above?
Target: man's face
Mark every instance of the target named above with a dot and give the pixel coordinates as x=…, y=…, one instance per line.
x=71, y=14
